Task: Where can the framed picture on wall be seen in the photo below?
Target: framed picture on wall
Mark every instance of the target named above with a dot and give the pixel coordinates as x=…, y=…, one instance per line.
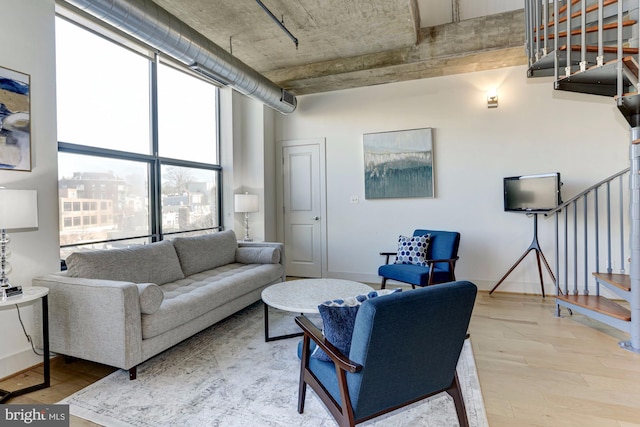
x=15, y=120
x=398, y=164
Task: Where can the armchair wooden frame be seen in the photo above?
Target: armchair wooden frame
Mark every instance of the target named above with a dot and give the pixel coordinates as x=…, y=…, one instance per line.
x=343, y=411
x=430, y=262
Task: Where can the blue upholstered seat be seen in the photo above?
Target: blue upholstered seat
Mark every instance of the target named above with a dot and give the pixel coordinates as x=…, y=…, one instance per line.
x=442, y=253
x=405, y=347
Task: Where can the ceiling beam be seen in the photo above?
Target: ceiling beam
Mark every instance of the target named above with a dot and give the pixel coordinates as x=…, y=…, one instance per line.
x=471, y=45
x=436, y=67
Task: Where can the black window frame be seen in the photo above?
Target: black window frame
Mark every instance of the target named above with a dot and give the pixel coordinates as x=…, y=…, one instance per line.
x=153, y=161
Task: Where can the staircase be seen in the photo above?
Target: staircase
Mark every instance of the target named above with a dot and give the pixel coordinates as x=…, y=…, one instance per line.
x=591, y=46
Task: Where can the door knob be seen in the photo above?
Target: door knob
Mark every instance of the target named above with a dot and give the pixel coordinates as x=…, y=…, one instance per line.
x=315, y=218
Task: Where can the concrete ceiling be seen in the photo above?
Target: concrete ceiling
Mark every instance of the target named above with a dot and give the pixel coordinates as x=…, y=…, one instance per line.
x=353, y=43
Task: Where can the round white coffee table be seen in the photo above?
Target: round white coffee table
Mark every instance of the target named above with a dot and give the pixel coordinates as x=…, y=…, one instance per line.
x=304, y=296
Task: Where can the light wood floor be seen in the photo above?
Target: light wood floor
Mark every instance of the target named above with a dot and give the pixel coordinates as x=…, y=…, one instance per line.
x=535, y=369
x=539, y=370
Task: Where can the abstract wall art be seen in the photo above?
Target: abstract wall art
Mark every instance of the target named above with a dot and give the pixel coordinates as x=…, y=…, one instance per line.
x=15, y=120
x=398, y=164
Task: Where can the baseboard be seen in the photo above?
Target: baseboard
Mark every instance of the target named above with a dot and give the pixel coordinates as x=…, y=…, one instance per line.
x=369, y=279
x=13, y=364
x=532, y=288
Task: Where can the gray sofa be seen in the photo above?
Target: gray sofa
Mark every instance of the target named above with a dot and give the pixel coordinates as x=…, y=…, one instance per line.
x=120, y=307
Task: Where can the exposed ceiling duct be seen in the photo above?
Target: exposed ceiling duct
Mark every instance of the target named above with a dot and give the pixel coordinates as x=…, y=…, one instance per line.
x=148, y=22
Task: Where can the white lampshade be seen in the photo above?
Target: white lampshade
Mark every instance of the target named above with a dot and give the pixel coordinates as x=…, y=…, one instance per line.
x=18, y=208
x=245, y=202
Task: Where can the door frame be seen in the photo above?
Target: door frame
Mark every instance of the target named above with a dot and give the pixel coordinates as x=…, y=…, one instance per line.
x=280, y=145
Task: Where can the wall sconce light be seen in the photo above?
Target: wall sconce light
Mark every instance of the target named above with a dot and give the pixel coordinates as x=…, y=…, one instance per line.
x=245, y=203
x=492, y=99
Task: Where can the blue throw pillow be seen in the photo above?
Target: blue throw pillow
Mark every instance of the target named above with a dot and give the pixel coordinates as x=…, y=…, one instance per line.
x=339, y=318
x=413, y=250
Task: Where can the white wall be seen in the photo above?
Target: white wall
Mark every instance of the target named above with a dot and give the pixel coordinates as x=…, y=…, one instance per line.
x=248, y=153
x=534, y=130
x=28, y=33
x=246, y=134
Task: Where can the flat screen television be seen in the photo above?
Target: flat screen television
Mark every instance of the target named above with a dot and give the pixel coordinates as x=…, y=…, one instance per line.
x=532, y=193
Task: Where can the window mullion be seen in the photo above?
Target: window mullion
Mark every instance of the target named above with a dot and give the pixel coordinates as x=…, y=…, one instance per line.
x=155, y=182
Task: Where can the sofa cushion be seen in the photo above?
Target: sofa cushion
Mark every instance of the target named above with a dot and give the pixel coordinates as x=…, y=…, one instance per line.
x=198, y=294
x=258, y=255
x=413, y=250
x=206, y=252
x=153, y=263
x=150, y=296
x=339, y=318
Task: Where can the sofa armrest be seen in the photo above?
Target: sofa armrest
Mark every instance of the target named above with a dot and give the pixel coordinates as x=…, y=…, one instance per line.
x=278, y=245
x=97, y=320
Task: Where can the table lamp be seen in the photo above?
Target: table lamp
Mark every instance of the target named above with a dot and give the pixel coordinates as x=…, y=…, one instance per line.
x=245, y=203
x=18, y=209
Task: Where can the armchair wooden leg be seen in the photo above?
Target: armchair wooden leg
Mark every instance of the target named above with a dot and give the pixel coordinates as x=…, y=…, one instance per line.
x=302, y=393
x=384, y=283
x=304, y=363
x=455, y=392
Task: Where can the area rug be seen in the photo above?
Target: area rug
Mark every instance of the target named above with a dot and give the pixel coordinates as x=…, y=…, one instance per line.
x=227, y=375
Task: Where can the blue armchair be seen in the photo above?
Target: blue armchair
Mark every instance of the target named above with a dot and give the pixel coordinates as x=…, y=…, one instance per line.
x=405, y=348
x=442, y=256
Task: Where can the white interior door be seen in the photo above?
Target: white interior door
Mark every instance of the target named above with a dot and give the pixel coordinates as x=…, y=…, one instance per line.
x=302, y=208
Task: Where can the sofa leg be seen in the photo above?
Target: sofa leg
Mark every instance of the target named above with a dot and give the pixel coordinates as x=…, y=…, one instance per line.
x=133, y=372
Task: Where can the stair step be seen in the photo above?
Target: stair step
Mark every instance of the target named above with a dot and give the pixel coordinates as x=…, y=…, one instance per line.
x=563, y=9
x=598, y=304
x=596, y=80
x=605, y=49
x=589, y=9
x=620, y=281
x=544, y=66
x=592, y=29
x=631, y=63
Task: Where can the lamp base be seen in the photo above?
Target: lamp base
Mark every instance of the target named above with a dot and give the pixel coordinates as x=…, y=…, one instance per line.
x=10, y=291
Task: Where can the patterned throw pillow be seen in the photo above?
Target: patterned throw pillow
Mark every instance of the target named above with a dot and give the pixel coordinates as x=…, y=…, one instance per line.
x=339, y=318
x=413, y=250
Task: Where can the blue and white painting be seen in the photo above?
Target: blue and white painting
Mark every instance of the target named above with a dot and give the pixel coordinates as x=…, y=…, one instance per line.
x=15, y=127
x=398, y=164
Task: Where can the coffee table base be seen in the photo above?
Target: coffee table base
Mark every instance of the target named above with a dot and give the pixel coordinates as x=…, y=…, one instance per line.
x=303, y=296
x=267, y=338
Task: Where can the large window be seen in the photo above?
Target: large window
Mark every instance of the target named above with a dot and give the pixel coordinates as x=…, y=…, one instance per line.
x=137, y=145
x=186, y=106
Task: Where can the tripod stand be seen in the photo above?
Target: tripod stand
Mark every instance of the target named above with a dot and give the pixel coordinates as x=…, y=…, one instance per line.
x=534, y=246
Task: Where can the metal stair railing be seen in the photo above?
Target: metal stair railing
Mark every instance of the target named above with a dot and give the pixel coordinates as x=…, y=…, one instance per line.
x=606, y=63
x=563, y=38
x=592, y=223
